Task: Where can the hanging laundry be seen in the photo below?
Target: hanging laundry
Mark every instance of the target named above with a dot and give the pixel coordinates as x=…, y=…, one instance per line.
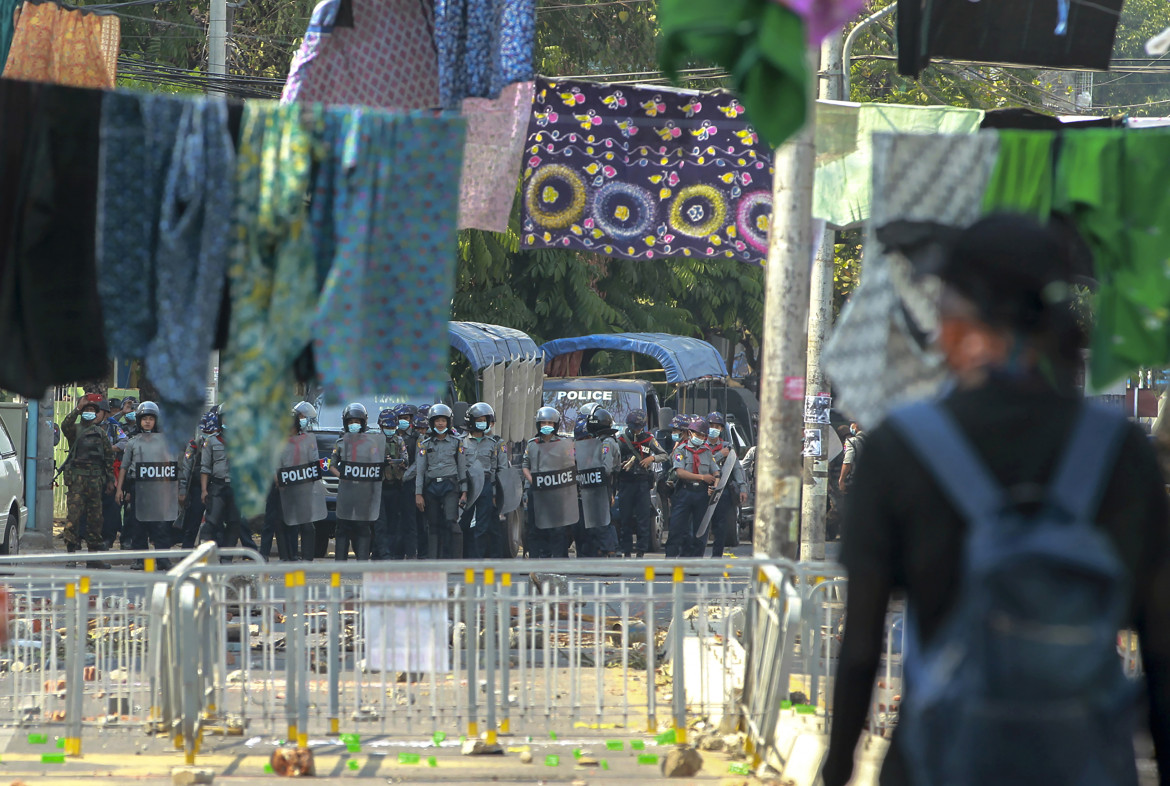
x=823, y=17
x=877, y=356
x=483, y=46
x=7, y=28
x=761, y=43
x=274, y=293
x=841, y=193
x=194, y=233
x=385, y=59
x=382, y=324
x=496, y=131
x=64, y=46
x=1027, y=32
x=1022, y=181
x=644, y=173
x=50, y=313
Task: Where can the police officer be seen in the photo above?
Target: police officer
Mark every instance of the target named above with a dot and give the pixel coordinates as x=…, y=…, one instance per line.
x=392, y=515
x=419, y=427
x=697, y=473
x=300, y=491
x=725, y=514
x=488, y=456
x=639, y=452
x=190, y=506
x=412, y=546
x=550, y=469
x=597, y=463
x=359, y=460
x=111, y=510
x=153, y=491
x=440, y=483
x=223, y=522
x=88, y=472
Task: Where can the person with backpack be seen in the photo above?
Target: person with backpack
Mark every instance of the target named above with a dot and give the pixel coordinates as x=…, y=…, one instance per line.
x=853, y=445
x=1024, y=528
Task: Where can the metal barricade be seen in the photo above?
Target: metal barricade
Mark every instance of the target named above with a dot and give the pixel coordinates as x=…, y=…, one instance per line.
x=418, y=649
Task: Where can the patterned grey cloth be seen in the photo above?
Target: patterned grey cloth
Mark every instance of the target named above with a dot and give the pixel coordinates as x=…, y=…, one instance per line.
x=875, y=360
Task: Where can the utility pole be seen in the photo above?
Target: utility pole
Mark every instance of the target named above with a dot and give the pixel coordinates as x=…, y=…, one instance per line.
x=815, y=502
x=217, y=38
x=786, y=293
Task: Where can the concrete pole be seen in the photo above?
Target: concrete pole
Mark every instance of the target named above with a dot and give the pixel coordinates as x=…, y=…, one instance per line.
x=786, y=293
x=217, y=38
x=814, y=503
x=42, y=516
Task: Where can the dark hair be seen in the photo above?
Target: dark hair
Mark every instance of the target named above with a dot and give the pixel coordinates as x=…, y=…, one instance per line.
x=1016, y=273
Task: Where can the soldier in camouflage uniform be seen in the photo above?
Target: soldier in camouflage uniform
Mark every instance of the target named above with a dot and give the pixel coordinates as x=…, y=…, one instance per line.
x=88, y=472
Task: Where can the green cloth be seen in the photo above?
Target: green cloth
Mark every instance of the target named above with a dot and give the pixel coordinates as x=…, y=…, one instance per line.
x=842, y=192
x=1022, y=181
x=1112, y=182
x=7, y=28
x=761, y=44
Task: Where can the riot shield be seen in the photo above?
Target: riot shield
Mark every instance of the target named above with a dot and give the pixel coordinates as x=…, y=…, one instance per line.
x=362, y=462
x=725, y=474
x=156, y=484
x=592, y=483
x=488, y=390
x=554, y=484
x=298, y=480
x=475, y=480
x=511, y=481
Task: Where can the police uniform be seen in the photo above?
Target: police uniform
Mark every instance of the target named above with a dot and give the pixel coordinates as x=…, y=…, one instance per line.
x=635, y=510
x=390, y=529
x=191, y=512
x=358, y=532
x=485, y=540
x=414, y=521
x=111, y=511
x=223, y=522
x=725, y=510
x=544, y=543
x=88, y=472
x=440, y=477
x=146, y=532
x=600, y=541
x=689, y=502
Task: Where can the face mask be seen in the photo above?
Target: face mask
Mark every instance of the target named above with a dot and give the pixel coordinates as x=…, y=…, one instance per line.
x=389, y=432
x=676, y=436
x=354, y=428
x=304, y=423
x=853, y=431
x=696, y=441
x=441, y=431
x=713, y=433
x=546, y=430
x=132, y=416
x=87, y=416
x=403, y=425
x=481, y=426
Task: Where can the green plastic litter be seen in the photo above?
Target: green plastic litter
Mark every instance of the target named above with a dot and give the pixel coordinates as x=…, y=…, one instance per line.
x=61, y=743
x=552, y=735
x=353, y=747
x=53, y=758
x=438, y=737
x=666, y=738
x=604, y=764
x=408, y=758
x=552, y=761
x=38, y=739
x=432, y=761
x=576, y=753
x=614, y=745
x=805, y=709
x=637, y=745
x=739, y=769
x=353, y=765
x=351, y=739
x=647, y=758
x=268, y=769
x=786, y=705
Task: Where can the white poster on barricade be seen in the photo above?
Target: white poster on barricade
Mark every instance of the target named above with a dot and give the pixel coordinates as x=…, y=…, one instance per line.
x=406, y=622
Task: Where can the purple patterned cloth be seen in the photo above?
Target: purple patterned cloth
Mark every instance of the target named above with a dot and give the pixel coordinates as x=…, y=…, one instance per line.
x=491, y=157
x=386, y=60
x=643, y=173
x=382, y=324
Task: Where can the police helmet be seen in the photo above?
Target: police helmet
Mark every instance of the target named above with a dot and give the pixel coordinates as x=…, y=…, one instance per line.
x=355, y=411
x=599, y=422
x=420, y=416
x=680, y=422
x=147, y=408
x=698, y=425
x=211, y=422
x=104, y=405
x=547, y=415
x=388, y=418
x=480, y=410
x=716, y=419
x=440, y=411
x=581, y=428
x=305, y=410
x=406, y=411
x=636, y=420
x=587, y=409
